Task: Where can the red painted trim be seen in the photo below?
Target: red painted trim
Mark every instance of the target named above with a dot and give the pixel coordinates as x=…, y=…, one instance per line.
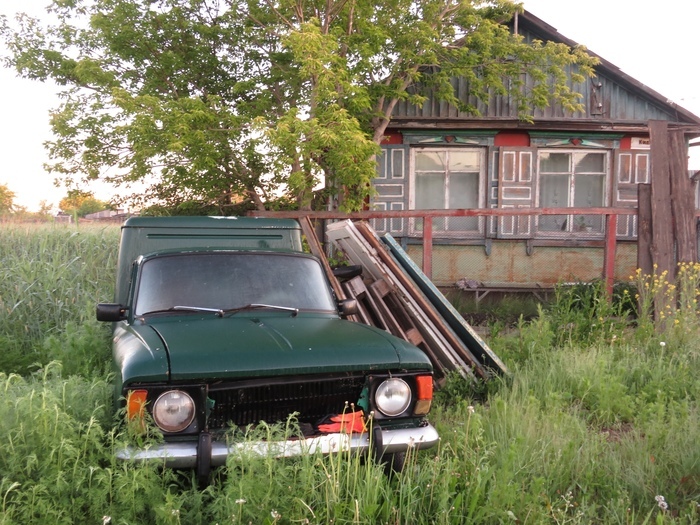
x=626, y=142
x=392, y=138
x=509, y=138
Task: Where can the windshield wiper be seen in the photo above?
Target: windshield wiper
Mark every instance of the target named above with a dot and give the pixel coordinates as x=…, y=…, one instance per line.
x=220, y=312
x=217, y=311
x=255, y=306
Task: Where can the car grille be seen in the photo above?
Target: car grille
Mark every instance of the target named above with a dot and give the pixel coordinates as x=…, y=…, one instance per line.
x=251, y=402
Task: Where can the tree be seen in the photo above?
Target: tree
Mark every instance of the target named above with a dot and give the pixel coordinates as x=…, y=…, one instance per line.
x=7, y=200
x=222, y=101
x=81, y=203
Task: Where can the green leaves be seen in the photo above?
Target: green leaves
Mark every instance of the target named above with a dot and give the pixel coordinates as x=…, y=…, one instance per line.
x=7, y=198
x=225, y=102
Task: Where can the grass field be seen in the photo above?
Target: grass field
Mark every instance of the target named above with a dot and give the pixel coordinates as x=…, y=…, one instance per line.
x=598, y=422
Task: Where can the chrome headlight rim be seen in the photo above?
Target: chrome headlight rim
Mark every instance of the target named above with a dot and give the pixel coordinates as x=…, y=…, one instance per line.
x=176, y=424
x=393, y=397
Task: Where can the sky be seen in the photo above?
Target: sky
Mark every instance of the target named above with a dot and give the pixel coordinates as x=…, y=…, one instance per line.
x=653, y=41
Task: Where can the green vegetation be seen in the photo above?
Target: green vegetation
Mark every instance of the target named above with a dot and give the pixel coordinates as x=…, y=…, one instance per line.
x=7, y=198
x=80, y=203
x=246, y=99
x=51, y=276
x=595, y=426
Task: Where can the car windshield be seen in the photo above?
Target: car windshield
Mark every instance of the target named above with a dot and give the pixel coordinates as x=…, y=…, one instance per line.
x=232, y=280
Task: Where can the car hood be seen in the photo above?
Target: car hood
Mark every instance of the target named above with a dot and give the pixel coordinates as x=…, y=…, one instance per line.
x=274, y=344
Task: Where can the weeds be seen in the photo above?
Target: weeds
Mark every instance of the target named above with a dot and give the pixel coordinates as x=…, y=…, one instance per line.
x=596, y=423
x=583, y=314
x=50, y=276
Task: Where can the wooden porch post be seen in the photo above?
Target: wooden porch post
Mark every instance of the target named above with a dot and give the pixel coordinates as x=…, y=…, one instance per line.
x=428, y=246
x=610, y=251
x=662, y=240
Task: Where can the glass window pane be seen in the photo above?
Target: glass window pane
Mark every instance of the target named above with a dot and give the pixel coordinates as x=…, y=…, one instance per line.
x=463, y=190
x=462, y=224
x=465, y=160
x=430, y=161
x=553, y=223
x=589, y=163
x=588, y=190
x=554, y=191
x=555, y=162
x=463, y=193
x=588, y=223
x=430, y=191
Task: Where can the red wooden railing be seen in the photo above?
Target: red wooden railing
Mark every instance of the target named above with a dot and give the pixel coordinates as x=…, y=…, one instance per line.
x=609, y=239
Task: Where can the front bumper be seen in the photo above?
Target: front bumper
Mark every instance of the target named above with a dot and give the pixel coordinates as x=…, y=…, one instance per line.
x=185, y=454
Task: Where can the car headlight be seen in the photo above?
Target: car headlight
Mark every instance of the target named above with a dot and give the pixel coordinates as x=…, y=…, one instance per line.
x=393, y=396
x=173, y=411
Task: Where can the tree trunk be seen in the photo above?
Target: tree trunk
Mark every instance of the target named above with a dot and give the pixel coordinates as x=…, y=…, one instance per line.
x=257, y=201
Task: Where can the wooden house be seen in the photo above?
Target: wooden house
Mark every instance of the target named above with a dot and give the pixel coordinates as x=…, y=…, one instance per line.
x=434, y=157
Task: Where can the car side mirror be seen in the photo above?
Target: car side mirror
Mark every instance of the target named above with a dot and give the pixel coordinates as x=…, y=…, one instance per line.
x=348, y=307
x=110, y=312
x=345, y=273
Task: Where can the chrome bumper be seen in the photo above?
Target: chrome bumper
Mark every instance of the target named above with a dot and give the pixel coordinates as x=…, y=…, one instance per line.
x=184, y=454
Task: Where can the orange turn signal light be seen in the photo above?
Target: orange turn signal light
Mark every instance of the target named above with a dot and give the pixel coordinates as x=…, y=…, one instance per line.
x=424, y=393
x=424, y=387
x=136, y=403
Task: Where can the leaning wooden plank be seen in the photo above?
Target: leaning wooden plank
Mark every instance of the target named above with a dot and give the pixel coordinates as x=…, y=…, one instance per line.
x=367, y=314
x=317, y=251
x=476, y=345
x=432, y=347
x=395, y=324
x=357, y=251
x=386, y=299
x=374, y=311
x=399, y=275
x=344, y=235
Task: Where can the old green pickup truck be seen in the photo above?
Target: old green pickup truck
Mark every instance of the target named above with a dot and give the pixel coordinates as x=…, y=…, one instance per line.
x=223, y=323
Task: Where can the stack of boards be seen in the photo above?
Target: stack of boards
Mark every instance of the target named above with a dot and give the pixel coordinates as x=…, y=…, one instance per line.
x=394, y=294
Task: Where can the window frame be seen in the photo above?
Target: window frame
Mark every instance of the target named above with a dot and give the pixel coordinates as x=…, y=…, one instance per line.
x=574, y=224
x=416, y=225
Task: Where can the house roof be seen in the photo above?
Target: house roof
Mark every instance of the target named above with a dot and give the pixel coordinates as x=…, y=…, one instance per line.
x=613, y=100
x=535, y=25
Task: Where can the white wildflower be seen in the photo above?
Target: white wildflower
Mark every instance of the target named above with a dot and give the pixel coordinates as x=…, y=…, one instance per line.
x=661, y=502
x=240, y=501
x=275, y=515
x=662, y=344
x=106, y=520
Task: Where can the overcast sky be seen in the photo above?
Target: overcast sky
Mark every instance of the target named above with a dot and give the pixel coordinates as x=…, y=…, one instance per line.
x=653, y=41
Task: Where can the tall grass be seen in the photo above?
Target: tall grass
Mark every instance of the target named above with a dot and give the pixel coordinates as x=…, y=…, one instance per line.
x=596, y=426
x=51, y=276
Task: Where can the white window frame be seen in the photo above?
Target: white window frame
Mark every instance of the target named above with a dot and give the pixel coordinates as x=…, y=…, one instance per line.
x=416, y=226
x=570, y=226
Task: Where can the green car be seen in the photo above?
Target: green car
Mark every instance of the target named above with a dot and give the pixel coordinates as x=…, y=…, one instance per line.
x=224, y=323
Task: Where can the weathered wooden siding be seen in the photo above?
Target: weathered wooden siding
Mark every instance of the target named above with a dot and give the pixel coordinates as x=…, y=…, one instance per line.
x=603, y=98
